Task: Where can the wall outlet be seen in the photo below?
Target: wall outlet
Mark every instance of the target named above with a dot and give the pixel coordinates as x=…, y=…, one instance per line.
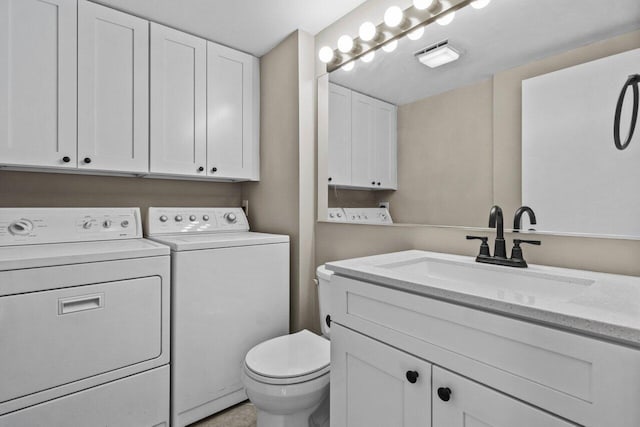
x=383, y=205
x=245, y=207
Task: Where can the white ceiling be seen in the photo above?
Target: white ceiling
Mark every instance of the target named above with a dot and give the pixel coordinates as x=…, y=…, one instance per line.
x=505, y=34
x=252, y=26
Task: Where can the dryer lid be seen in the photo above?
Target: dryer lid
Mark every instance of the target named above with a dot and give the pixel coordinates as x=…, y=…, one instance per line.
x=290, y=356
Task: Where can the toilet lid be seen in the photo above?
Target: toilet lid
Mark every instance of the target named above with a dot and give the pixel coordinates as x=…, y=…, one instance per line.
x=290, y=356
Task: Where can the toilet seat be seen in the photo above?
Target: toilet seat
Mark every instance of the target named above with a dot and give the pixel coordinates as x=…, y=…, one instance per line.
x=289, y=359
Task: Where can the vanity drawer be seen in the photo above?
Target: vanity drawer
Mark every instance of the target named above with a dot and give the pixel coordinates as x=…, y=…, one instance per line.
x=592, y=382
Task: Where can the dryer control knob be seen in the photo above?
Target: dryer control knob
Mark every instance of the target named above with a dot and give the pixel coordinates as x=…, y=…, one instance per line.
x=178, y=218
x=164, y=218
x=192, y=218
x=231, y=217
x=87, y=224
x=106, y=223
x=21, y=227
x=205, y=217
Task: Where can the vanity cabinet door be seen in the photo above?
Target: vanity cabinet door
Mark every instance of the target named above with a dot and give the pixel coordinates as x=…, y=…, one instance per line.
x=385, y=145
x=178, y=103
x=459, y=402
x=362, y=129
x=38, y=68
x=339, y=149
x=113, y=90
x=233, y=105
x=373, y=384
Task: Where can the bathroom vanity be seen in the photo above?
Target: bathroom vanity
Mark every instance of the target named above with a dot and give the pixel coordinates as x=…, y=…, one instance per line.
x=422, y=338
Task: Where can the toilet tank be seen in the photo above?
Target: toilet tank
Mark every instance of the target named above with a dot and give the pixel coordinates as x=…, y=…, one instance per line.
x=324, y=277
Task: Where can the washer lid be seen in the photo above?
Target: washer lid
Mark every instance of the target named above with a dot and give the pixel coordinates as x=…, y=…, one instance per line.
x=290, y=356
x=191, y=242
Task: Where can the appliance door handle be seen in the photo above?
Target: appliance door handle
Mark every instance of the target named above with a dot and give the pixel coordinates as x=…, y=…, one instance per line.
x=632, y=82
x=80, y=303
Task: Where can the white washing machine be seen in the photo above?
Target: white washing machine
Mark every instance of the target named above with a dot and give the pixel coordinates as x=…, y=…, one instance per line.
x=84, y=319
x=230, y=292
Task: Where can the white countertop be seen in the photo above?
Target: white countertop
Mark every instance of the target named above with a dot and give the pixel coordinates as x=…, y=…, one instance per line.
x=603, y=305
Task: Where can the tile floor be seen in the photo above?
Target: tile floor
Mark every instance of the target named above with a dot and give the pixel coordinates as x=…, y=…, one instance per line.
x=241, y=415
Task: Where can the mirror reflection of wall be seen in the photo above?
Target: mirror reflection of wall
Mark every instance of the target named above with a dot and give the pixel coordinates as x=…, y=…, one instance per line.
x=448, y=123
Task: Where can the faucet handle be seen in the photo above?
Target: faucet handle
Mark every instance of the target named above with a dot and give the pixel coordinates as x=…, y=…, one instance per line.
x=516, y=242
x=517, y=258
x=484, y=246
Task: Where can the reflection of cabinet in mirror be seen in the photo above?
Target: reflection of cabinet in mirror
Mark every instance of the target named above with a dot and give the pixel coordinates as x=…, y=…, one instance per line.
x=362, y=141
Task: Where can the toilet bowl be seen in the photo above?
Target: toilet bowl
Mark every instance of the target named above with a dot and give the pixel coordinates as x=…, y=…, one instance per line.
x=287, y=378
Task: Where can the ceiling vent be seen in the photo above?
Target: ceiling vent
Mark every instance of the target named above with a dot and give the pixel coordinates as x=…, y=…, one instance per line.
x=437, y=54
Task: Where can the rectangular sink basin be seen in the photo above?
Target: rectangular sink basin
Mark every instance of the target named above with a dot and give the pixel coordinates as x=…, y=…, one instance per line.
x=504, y=283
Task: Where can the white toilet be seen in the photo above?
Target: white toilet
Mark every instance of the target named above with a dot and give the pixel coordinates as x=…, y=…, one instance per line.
x=287, y=378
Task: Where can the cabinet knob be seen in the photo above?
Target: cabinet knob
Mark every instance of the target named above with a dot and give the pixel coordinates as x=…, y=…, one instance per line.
x=373, y=183
x=200, y=169
x=87, y=160
x=66, y=159
x=214, y=169
x=327, y=320
x=378, y=184
x=444, y=393
x=330, y=179
x=412, y=376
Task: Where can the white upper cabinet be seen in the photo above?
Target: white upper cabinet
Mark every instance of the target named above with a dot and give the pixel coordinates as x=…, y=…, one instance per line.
x=113, y=90
x=339, y=135
x=38, y=62
x=362, y=141
x=233, y=97
x=178, y=103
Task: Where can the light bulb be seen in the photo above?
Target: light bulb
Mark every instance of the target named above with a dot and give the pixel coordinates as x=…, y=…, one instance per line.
x=416, y=34
x=325, y=54
x=447, y=18
x=368, y=57
x=423, y=4
x=348, y=66
x=367, y=31
x=479, y=4
x=391, y=46
x=345, y=44
x=393, y=16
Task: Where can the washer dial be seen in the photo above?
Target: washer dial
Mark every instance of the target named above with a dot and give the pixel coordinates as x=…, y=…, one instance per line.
x=21, y=227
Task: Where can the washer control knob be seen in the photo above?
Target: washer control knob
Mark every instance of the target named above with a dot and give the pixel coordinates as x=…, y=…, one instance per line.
x=192, y=218
x=107, y=223
x=21, y=227
x=164, y=218
x=178, y=218
x=205, y=217
x=124, y=224
x=87, y=224
x=231, y=217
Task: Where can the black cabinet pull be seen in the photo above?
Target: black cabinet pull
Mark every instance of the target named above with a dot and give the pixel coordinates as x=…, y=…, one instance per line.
x=378, y=184
x=373, y=183
x=412, y=376
x=444, y=393
x=87, y=160
x=214, y=169
x=330, y=179
x=200, y=169
x=66, y=159
x=327, y=320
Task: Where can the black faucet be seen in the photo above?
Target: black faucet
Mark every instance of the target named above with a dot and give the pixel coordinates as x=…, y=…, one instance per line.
x=496, y=221
x=517, y=218
x=499, y=257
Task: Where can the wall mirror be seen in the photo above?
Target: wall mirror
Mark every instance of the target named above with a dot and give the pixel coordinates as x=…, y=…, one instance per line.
x=448, y=168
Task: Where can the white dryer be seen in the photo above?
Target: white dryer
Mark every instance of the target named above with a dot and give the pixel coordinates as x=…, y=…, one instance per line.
x=84, y=317
x=230, y=292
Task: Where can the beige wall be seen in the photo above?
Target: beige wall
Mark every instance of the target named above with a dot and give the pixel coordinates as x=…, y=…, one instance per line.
x=283, y=201
x=340, y=241
x=445, y=158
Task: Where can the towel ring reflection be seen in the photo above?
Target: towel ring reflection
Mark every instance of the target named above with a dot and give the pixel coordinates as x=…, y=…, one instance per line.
x=632, y=82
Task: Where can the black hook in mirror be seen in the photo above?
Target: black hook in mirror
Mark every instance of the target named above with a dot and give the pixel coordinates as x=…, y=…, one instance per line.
x=632, y=82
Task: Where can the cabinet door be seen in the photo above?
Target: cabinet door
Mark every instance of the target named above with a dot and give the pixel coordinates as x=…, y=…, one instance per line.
x=385, y=145
x=178, y=102
x=362, y=157
x=472, y=405
x=38, y=67
x=233, y=97
x=339, y=150
x=113, y=90
x=370, y=385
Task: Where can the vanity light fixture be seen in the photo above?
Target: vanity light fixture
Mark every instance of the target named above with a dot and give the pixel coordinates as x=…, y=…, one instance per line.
x=397, y=23
x=438, y=54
